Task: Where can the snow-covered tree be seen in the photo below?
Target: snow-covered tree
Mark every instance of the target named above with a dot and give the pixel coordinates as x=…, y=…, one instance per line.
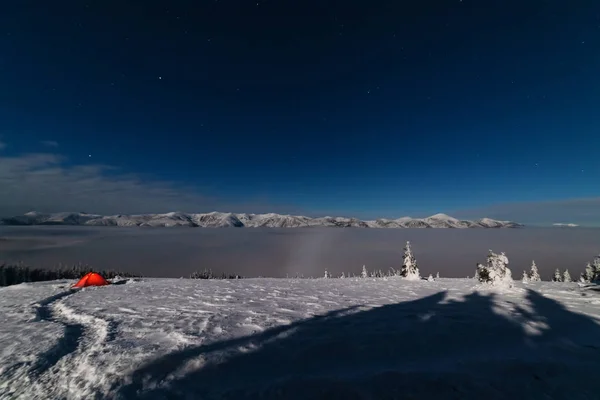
x=410, y=270
x=343, y=276
x=588, y=275
x=326, y=276
x=525, y=277
x=566, y=276
x=364, y=273
x=557, y=276
x=534, y=274
x=496, y=271
x=437, y=276
x=430, y=278
x=596, y=268
x=479, y=267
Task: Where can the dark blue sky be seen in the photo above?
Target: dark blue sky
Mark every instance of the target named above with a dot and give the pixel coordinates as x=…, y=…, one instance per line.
x=367, y=108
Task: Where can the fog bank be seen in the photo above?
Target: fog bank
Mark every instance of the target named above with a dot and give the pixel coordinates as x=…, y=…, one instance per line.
x=175, y=252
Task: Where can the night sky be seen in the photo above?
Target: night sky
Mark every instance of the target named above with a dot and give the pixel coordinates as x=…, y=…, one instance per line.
x=362, y=108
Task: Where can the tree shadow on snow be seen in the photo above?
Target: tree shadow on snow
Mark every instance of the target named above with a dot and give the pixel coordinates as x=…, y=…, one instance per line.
x=423, y=349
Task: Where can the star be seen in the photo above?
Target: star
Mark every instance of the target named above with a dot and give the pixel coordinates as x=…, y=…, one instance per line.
x=160, y=78
x=89, y=155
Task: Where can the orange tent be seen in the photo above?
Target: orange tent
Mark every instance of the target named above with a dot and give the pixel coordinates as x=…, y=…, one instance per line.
x=91, y=279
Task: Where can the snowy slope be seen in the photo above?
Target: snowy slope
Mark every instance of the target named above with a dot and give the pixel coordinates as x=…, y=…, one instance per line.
x=271, y=220
x=64, y=218
x=297, y=339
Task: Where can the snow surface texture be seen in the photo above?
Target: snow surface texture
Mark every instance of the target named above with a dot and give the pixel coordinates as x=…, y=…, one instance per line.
x=300, y=339
x=222, y=220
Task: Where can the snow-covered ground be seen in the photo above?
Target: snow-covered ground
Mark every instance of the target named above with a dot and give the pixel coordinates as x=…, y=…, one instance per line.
x=314, y=338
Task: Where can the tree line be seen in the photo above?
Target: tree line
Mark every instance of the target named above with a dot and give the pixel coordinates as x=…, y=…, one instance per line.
x=20, y=273
x=209, y=274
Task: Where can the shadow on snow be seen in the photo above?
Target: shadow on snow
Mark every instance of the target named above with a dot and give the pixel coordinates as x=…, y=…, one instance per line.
x=422, y=349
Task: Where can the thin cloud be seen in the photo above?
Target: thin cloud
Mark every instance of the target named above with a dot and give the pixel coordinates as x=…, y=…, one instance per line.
x=46, y=183
x=49, y=143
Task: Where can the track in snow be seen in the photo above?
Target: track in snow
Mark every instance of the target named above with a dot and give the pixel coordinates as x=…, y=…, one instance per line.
x=83, y=336
x=67, y=344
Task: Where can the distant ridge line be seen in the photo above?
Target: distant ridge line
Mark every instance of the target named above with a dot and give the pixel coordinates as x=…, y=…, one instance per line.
x=242, y=220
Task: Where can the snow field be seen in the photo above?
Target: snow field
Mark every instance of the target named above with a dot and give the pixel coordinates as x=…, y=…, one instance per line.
x=299, y=338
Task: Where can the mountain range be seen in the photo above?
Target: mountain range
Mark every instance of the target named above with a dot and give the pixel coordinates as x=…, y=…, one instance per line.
x=223, y=220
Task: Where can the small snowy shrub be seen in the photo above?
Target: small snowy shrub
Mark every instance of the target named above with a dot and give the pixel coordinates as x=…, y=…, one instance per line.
x=496, y=271
x=525, y=277
x=430, y=278
x=566, y=276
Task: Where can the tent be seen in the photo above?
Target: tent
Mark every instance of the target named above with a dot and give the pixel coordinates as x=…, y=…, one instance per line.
x=91, y=279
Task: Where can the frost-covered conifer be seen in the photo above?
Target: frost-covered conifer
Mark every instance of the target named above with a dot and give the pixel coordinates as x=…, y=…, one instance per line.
x=534, y=275
x=437, y=276
x=525, y=277
x=557, y=276
x=596, y=268
x=479, y=267
x=364, y=273
x=496, y=271
x=430, y=278
x=588, y=275
x=410, y=270
x=566, y=276
x=343, y=276
x=326, y=276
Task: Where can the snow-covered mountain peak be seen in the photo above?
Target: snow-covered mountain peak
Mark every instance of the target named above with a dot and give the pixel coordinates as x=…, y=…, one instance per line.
x=442, y=216
x=217, y=219
x=33, y=214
